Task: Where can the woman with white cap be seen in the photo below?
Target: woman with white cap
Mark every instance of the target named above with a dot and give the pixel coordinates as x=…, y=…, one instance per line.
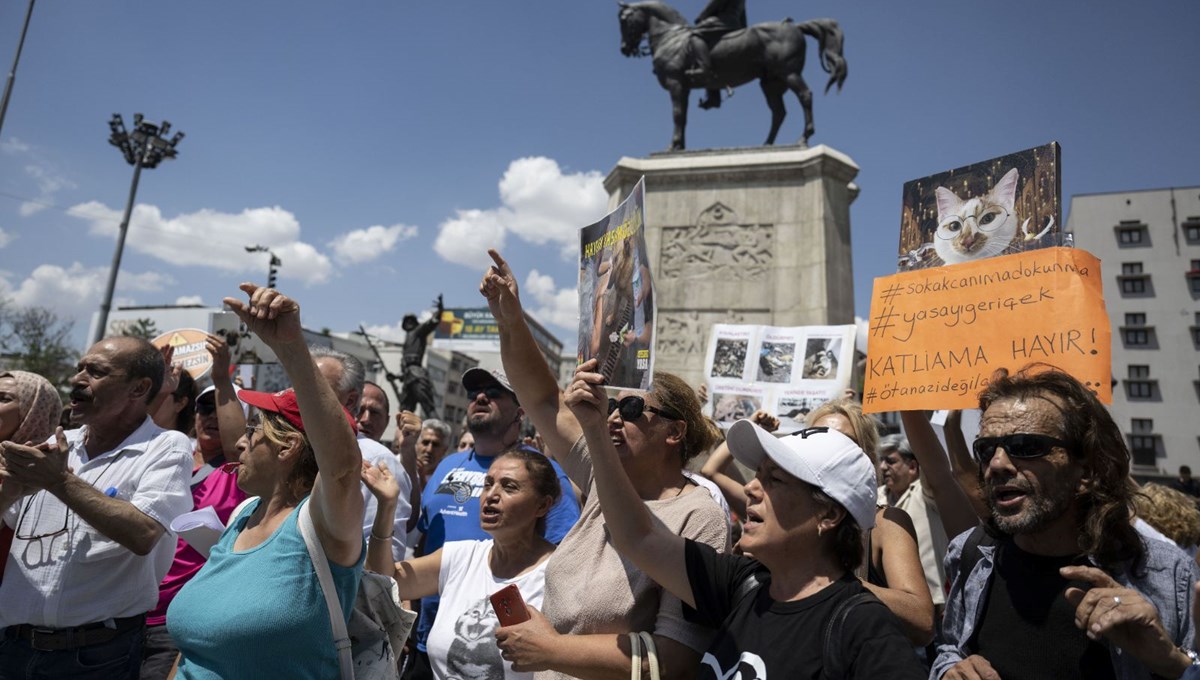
x=795, y=609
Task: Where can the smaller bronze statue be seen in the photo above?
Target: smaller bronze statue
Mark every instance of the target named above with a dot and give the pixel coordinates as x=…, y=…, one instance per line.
x=721, y=51
x=417, y=388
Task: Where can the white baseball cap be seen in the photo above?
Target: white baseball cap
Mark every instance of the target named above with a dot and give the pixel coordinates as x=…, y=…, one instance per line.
x=825, y=458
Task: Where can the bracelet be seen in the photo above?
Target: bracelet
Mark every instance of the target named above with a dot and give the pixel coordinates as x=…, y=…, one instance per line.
x=382, y=538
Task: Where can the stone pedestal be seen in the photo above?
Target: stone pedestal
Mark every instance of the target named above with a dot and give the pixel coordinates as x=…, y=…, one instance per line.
x=756, y=235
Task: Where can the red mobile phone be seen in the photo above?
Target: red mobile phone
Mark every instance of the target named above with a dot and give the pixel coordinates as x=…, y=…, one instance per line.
x=509, y=606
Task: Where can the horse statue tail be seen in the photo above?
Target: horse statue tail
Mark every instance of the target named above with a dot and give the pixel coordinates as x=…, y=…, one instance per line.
x=829, y=39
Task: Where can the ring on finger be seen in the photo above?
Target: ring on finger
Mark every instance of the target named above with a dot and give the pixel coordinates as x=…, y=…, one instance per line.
x=1116, y=600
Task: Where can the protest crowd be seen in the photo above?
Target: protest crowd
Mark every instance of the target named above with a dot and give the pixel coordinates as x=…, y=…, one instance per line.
x=625, y=540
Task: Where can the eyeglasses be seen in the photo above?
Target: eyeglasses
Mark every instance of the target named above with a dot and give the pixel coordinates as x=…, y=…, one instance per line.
x=21, y=534
x=631, y=408
x=492, y=392
x=803, y=434
x=1020, y=445
x=251, y=429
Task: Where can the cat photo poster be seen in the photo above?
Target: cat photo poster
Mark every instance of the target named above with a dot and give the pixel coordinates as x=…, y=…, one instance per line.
x=996, y=207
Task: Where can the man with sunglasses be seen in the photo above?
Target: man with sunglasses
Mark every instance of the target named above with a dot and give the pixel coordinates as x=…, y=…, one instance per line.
x=90, y=509
x=450, y=501
x=1060, y=585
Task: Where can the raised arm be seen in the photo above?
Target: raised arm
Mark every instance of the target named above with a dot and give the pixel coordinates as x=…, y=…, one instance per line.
x=907, y=592
x=966, y=470
x=337, y=502
x=526, y=368
x=719, y=468
x=415, y=578
x=952, y=502
x=635, y=532
x=231, y=419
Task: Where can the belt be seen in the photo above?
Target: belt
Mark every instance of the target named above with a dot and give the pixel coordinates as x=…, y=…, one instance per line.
x=57, y=639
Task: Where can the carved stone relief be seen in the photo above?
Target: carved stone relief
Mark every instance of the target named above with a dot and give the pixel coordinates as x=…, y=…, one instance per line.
x=719, y=246
x=683, y=334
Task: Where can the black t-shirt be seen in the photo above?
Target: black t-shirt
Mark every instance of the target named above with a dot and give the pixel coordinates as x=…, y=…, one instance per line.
x=1027, y=627
x=785, y=639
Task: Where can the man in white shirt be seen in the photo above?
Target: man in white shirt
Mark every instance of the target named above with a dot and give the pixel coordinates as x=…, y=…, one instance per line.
x=348, y=376
x=89, y=509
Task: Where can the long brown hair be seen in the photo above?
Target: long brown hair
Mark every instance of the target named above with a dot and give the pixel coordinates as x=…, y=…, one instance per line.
x=677, y=396
x=1096, y=444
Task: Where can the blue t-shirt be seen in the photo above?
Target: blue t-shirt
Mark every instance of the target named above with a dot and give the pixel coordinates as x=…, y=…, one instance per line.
x=450, y=512
x=260, y=612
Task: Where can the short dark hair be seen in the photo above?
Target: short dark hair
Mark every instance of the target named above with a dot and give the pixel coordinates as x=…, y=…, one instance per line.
x=143, y=360
x=1185, y=469
x=185, y=421
x=1096, y=444
x=847, y=541
x=387, y=403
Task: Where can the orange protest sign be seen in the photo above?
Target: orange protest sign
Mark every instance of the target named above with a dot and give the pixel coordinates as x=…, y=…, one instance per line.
x=191, y=352
x=937, y=335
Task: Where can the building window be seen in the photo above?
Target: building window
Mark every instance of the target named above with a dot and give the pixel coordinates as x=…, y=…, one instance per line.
x=1131, y=233
x=1195, y=328
x=1135, y=319
x=1143, y=443
x=1191, y=230
x=1193, y=277
x=1136, y=337
x=1139, y=385
x=1133, y=279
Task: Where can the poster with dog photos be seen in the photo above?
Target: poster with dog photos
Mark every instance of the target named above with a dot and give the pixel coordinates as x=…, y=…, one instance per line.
x=787, y=371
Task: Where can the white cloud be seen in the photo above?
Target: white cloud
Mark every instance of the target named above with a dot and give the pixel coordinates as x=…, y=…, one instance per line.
x=465, y=240
x=364, y=245
x=189, y=300
x=214, y=239
x=860, y=336
x=554, y=306
x=5, y=238
x=539, y=204
x=45, y=175
x=75, y=292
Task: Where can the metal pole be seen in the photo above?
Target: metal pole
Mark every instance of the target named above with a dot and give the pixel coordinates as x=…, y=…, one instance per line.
x=12, y=74
x=102, y=323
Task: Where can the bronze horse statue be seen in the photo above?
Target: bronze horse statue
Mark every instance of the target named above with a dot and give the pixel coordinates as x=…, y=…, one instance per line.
x=771, y=52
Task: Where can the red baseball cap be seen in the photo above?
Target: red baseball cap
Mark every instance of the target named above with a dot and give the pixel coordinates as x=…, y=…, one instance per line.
x=284, y=403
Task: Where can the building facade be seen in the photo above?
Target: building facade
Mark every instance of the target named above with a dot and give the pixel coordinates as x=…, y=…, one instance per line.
x=1149, y=246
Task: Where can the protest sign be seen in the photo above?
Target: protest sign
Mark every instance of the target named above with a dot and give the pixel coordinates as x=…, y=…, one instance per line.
x=937, y=335
x=787, y=371
x=616, y=295
x=190, y=350
x=1000, y=206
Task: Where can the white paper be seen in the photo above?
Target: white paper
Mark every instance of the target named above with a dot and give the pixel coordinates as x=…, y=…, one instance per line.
x=200, y=528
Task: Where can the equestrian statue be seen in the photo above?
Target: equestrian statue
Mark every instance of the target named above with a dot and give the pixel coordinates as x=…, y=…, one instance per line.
x=721, y=51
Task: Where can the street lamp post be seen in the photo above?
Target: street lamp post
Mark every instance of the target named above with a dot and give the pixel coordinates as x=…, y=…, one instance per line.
x=144, y=147
x=274, y=266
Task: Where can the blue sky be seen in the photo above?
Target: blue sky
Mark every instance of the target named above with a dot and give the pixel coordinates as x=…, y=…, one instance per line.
x=381, y=147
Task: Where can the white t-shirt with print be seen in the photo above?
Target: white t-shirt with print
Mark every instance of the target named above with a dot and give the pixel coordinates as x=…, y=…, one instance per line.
x=462, y=643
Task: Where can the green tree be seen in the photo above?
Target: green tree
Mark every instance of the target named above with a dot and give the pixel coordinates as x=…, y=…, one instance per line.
x=34, y=339
x=143, y=328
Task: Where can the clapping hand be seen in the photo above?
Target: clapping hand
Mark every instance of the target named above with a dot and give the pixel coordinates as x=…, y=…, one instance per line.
x=269, y=314
x=43, y=466
x=380, y=482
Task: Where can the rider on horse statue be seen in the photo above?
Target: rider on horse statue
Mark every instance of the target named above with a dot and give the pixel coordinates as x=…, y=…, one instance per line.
x=718, y=18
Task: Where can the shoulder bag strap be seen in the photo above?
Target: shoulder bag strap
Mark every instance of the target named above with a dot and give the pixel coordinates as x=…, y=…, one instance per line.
x=238, y=510
x=635, y=651
x=832, y=664
x=341, y=638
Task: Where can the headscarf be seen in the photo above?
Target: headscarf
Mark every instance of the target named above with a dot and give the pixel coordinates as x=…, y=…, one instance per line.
x=40, y=407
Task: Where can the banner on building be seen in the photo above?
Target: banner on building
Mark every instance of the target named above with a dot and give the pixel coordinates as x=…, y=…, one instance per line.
x=787, y=371
x=937, y=335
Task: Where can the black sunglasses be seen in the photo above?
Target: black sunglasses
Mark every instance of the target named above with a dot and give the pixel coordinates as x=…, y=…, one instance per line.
x=803, y=434
x=1018, y=445
x=631, y=408
x=206, y=407
x=492, y=392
